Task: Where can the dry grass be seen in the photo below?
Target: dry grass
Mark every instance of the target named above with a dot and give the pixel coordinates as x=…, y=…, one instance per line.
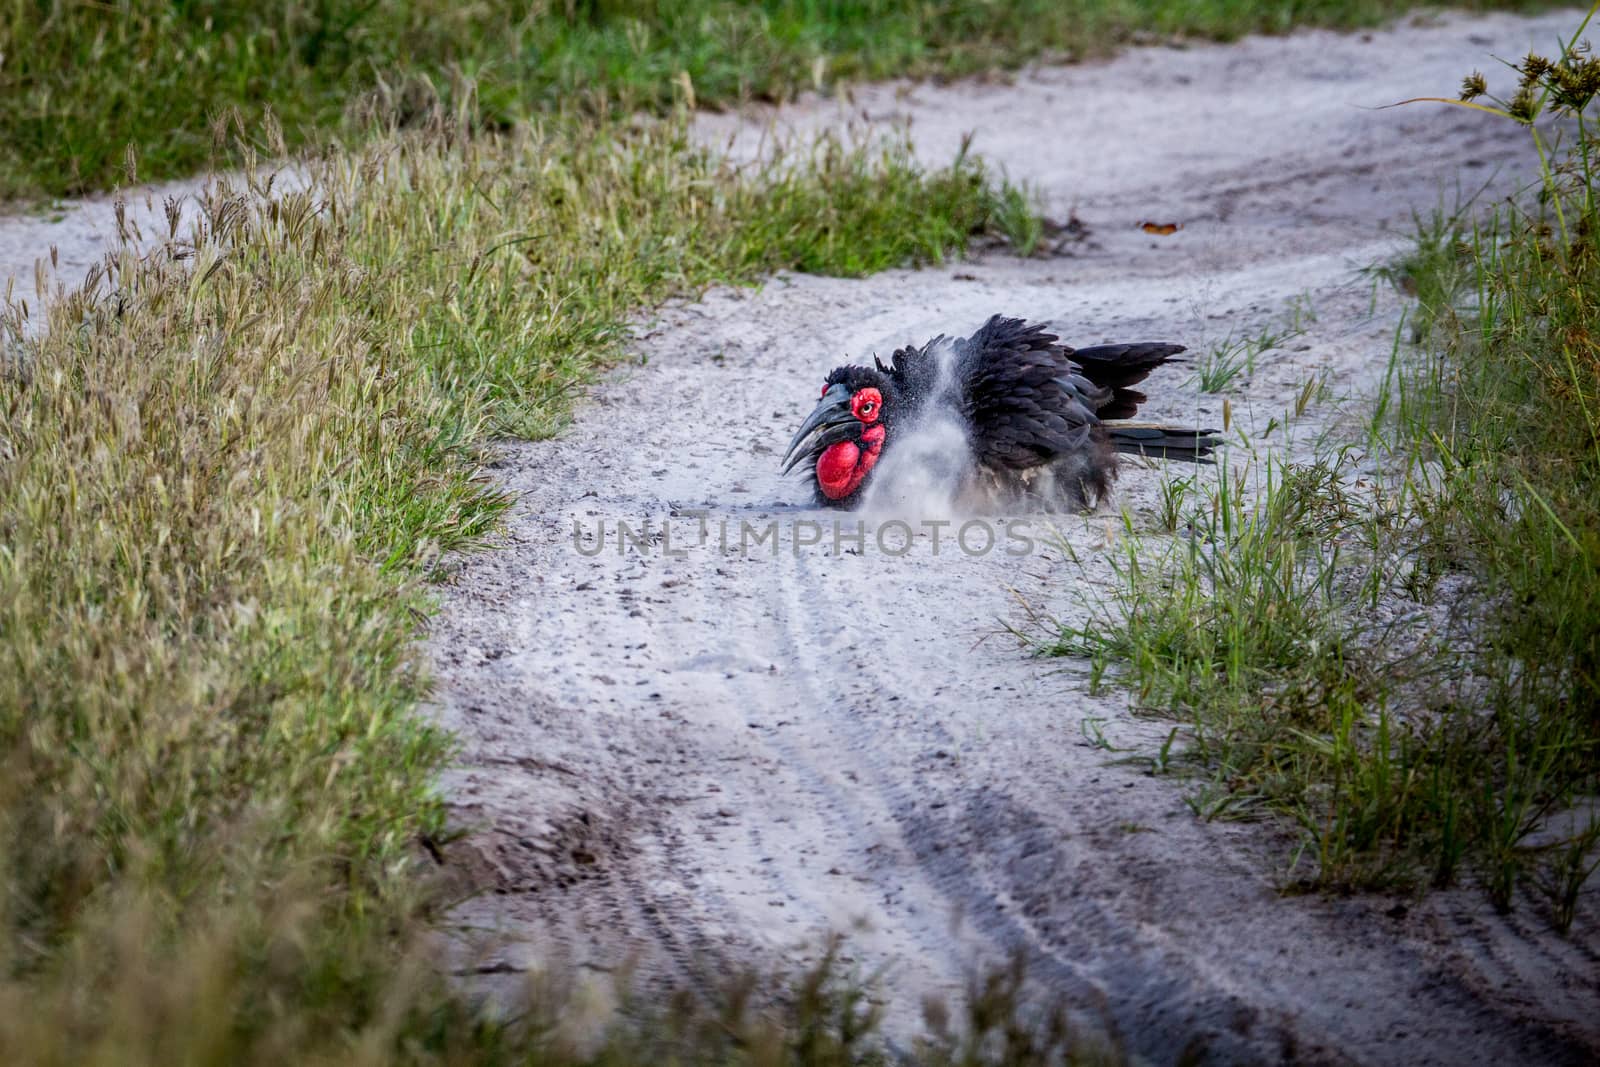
x=225, y=473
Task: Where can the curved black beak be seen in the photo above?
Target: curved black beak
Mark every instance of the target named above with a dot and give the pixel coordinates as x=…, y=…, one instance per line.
x=831, y=420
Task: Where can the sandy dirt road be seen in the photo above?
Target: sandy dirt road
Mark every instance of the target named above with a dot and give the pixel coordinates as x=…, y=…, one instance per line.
x=694, y=755
x=689, y=755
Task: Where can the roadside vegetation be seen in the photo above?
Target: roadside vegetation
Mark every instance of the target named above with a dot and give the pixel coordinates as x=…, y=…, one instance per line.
x=227, y=471
x=1231, y=362
x=1397, y=643
x=230, y=465
x=85, y=83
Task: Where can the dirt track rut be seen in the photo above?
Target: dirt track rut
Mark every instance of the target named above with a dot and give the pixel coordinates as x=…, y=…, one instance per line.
x=703, y=757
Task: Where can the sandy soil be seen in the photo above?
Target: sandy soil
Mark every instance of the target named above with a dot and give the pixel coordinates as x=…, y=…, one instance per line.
x=688, y=756
x=47, y=249
x=52, y=246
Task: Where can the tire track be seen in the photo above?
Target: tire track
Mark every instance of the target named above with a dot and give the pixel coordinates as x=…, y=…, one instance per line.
x=785, y=744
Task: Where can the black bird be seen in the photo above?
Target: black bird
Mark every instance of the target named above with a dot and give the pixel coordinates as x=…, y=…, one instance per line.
x=1037, y=417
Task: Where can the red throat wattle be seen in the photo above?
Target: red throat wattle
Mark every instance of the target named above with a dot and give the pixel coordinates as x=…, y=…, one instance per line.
x=843, y=467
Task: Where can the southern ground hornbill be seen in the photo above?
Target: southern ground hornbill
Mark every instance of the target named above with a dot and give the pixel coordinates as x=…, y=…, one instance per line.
x=1026, y=420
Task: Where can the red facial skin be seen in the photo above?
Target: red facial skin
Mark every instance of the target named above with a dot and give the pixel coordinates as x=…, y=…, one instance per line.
x=844, y=466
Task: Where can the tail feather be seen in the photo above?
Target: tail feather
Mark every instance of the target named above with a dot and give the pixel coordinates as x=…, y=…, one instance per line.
x=1164, y=442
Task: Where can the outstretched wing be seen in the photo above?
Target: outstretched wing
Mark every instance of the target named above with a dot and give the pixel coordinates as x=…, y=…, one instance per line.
x=1025, y=401
x=1118, y=367
x=1026, y=398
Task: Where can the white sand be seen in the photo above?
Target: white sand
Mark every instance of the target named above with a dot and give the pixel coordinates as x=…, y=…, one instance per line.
x=699, y=758
x=705, y=757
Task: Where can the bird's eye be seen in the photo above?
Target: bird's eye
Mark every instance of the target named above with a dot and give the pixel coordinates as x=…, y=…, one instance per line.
x=824, y=388
x=866, y=404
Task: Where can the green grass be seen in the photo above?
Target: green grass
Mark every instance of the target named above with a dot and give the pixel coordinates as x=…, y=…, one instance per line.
x=82, y=82
x=1408, y=666
x=226, y=473
x=1234, y=358
x=1247, y=630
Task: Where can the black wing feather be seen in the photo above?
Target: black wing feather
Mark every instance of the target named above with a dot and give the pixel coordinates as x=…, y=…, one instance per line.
x=1026, y=398
x=1026, y=401
x=1120, y=366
